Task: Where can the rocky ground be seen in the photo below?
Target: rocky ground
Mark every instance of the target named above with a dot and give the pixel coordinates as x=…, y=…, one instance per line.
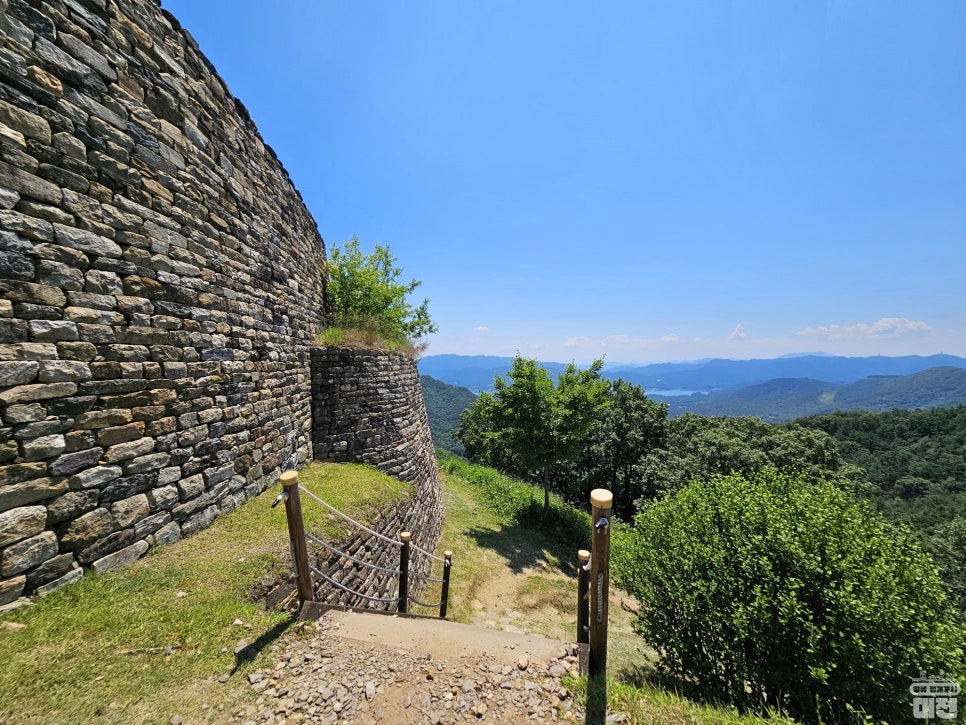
x=321, y=676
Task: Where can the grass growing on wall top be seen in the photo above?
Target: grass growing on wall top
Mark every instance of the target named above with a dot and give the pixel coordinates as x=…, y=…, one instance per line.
x=149, y=641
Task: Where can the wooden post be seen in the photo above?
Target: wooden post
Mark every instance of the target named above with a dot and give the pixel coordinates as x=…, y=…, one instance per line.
x=583, y=602
x=444, y=599
x=296, y=535
x=601, y=501
x=403, y=607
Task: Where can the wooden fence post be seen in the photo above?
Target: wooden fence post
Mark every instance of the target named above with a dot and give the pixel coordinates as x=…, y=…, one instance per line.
x=601, y=501
x=444, y=599
x=583, y=602
x=403, y=607
x=296, y=535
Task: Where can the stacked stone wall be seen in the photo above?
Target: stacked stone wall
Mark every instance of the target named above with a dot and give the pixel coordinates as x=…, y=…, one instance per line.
x=368, y=408
x=161, y=283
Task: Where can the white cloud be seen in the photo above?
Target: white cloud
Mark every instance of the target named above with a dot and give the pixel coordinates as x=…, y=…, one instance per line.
x=481, y=328
x=885, y=327
x=672, y=337
x=738, y=333
x=577, y=341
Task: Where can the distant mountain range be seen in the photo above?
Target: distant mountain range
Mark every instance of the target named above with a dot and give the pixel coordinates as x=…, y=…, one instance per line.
x=784, y=399
x=476, y=372
x=775, y=390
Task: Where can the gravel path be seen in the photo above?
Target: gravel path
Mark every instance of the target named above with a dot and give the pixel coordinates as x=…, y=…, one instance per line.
x=324, y=676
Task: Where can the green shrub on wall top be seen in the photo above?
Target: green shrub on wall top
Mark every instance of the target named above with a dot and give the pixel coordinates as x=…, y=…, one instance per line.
x=368, y=302
x=773, y=592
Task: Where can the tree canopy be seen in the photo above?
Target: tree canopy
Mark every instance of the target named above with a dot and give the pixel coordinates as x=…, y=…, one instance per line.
x=365, y=294
x=532, y=423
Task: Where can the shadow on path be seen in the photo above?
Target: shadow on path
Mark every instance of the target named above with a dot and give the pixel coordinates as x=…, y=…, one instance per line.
x=246, y=652
x=525, y=547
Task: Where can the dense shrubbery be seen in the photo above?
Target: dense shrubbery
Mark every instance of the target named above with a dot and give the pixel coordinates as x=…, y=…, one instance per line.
x=789, y=594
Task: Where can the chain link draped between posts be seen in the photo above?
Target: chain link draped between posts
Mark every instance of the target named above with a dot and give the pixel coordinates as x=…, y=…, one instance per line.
x=304, y=571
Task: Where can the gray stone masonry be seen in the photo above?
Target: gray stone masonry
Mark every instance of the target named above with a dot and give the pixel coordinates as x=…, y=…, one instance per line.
x=368, y=408
x=161, y=283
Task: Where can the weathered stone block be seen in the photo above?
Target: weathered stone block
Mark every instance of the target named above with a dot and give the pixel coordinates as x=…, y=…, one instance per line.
x=191, y=486
x=59, y=371
x=168, y=534
x=11, y=589
x=44, y=447
x=129, y=510
x=21, y=472
x=21, y=523
x=70, y=505
x=85, y=241
x=30, y=393
x=142, y=464
x=30, y=491
x=53, y=568
x=94, y=477
x=124, y=557
x=70, y=463
x=69, y=578
x=119, y=434
x=28, y=553
x=88, y=528
x=131, y=449
x=199, y=521
x=103, y=418
x=52, y=330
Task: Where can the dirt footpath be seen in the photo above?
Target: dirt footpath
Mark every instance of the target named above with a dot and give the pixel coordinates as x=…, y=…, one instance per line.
x=357, y=668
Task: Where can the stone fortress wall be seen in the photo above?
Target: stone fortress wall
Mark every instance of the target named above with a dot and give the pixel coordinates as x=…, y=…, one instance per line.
x=367, y=407
x=161, y=285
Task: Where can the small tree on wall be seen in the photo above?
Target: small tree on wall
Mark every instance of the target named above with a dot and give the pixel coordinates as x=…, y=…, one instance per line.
x=369, y=303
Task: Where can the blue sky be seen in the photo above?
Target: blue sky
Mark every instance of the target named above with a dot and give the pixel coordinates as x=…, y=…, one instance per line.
x=648, y=181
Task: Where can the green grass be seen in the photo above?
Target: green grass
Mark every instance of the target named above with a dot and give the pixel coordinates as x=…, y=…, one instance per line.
x=148, y=642
x=140, y=644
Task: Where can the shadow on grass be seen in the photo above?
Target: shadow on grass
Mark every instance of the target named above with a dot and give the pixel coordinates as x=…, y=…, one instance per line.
x=250, y=651
x=525, y=547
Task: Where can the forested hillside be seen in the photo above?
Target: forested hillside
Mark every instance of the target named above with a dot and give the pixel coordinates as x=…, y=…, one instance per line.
x=915, y=461
x=444, y=404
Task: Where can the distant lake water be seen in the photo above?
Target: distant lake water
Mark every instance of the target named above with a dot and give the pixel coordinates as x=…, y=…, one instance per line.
x=672, y=393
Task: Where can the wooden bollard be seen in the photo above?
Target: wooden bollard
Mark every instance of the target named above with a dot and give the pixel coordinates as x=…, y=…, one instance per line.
x=405, y=537
x=444, y=599
x=583, y=602
x=296, y=535
x=601, y=501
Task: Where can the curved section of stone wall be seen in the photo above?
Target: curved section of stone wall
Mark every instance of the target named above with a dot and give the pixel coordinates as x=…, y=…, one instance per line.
x=161, y=283
x=368, y=408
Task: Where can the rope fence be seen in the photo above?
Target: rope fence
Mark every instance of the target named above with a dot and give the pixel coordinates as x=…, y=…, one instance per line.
x=304, y=571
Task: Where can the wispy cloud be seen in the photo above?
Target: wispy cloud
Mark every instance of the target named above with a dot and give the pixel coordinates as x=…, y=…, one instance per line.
x=738, y=333
x=577, y=341
x=672, y=337
x=481, y=328
x=885, y=327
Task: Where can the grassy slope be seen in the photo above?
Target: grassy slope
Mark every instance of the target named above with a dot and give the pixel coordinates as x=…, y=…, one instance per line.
x=96, y=651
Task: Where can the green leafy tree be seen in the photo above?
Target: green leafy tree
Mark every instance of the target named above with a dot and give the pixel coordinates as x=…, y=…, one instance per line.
x=776, y=591
x=629, y=429
x=540, y=424
x=365, y=294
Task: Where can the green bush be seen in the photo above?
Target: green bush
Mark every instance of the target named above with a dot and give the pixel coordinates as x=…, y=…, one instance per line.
x=774, y=592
